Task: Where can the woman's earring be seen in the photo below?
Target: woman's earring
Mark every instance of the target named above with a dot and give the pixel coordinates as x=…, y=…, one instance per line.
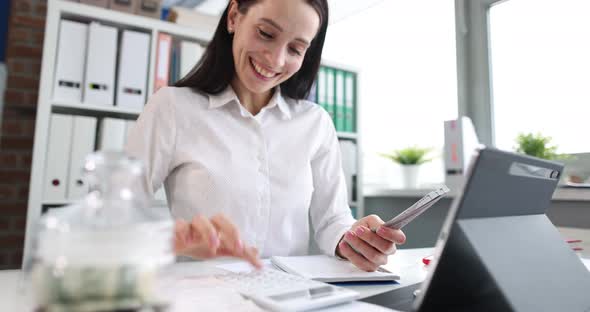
x=230, y=30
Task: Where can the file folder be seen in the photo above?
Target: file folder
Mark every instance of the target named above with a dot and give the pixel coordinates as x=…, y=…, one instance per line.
x=339, y=102
x=58, y=158
x=128, y=126
x=322, y=85
x=83, y=139
x=313, y=92
x=349, y=100
x=163, y=50
x=349, y=167
x=174, y=69
x=70, y=64
x=190, y=54
x=99, y=82
x=112, y=134
x=330, y=96
x=133, y=70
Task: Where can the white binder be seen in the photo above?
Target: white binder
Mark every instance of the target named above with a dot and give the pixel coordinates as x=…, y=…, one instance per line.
x=99, y=81
x=70, y=63
x=190, y=54
x=128, y=125
x=83, y=139
x=112, y=134
x=133, y=70
x=58, y=158
x=349, y=166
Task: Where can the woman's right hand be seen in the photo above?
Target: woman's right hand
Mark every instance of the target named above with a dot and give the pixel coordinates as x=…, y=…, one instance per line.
x=204, y=238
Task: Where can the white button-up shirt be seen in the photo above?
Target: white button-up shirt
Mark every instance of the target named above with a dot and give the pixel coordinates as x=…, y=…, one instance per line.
x=271, y=174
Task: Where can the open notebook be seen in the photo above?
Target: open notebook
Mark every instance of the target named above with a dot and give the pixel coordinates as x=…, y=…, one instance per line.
x=329, y=269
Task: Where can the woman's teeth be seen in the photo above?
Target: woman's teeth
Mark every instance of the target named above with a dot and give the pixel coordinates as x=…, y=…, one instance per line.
x=262, y=71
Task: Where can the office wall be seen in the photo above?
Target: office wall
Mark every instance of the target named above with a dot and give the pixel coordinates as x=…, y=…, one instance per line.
x=26, y=25
x=423, y=231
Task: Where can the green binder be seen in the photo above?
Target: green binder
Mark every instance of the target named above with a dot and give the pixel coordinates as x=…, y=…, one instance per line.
x=340, y=108
x=321, y=88
x=349, y=99
x=330, y=94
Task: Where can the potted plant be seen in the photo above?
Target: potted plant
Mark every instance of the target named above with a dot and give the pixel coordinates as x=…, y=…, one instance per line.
x=410, y=159
x=537, y=145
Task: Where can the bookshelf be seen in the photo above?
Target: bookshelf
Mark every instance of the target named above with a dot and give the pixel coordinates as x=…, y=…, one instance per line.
x=61, y=9
x=46, y=106
x=339, y=97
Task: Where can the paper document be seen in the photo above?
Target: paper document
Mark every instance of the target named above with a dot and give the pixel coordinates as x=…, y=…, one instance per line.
x=586, y=263
x=577, y=185
x=330, y=269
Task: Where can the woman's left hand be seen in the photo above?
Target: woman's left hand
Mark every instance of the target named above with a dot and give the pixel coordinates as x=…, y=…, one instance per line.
x=367, y=249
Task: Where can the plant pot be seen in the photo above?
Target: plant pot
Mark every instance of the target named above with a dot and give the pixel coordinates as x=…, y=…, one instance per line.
x=410, y=176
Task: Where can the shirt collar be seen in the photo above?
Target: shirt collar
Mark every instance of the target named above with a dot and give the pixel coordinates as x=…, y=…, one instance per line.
x=228, y=95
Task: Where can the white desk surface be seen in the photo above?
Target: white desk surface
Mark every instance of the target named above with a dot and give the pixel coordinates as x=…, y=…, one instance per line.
x=408, y=262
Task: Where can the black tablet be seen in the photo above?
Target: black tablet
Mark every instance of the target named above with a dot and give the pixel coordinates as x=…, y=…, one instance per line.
x=497, y=250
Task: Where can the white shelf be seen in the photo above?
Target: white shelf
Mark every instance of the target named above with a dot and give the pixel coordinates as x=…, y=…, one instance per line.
x=57, y=202
x=94, y=110
x=84, y=12
x=561, y=193
x=347, y=135
x=156, y=202
x=382, y=191
x=572, y=194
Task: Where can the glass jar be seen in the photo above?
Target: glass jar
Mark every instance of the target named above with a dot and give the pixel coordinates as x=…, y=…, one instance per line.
x=103, y=253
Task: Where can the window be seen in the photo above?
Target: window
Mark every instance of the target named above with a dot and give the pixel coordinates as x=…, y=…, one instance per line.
x=405, y=54
x=540, y=56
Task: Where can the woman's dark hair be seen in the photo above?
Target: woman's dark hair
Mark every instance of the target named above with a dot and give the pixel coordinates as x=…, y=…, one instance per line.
x=216, y=68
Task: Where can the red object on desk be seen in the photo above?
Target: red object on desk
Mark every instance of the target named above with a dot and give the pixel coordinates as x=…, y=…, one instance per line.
x=573, y=241
x=426, y=260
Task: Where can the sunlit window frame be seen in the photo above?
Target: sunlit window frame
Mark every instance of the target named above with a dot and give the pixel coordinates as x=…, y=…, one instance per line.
x=473, y=65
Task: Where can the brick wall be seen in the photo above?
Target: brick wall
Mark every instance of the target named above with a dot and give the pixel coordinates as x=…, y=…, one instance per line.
x=23, y=61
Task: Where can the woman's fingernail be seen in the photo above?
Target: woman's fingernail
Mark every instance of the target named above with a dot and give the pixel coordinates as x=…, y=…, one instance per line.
x=350, y=235
x=360, y=231
x=401, y=238
x=214, y=241
x=239, y=246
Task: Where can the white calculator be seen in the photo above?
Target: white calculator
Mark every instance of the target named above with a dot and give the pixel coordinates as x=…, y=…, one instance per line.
x=279, y=291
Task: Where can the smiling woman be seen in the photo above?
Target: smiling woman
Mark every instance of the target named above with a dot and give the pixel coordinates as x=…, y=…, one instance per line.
x=250, y=166
x=240, y=36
